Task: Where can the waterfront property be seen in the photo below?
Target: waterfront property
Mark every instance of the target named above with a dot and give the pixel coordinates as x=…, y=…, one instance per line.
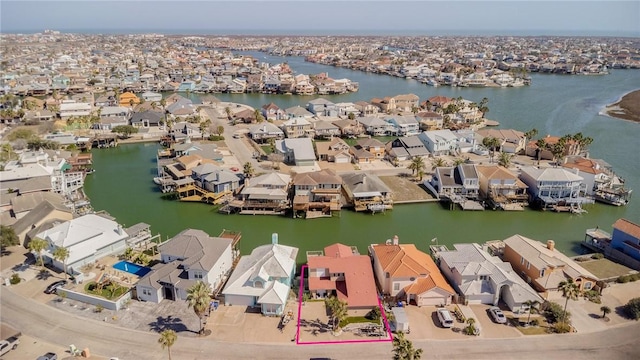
x=317, y=193
x=599, y=179
x=501, y=188
x=343, y=273
x=408, y=274
x=557, y=189
x=263, y=278
x=543, y=266
x=190, y=256
x=456, y=184
x=366, y=192
x=480, y=278
x=266, y=194
x=626, y=238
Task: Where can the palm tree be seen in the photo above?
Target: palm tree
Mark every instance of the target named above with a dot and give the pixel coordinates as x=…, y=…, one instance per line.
x=128, y=253
x=529, y=135
x=605, y=310
x=403, y=348
x=505, y=159
x=570, y=290
x=492, y=144
x=62, y=254
x=38, y=245
x=542, y=145
x=471, y=326
x=458, y=161
x=558, y=150
x=227, y=111
x=167, y=339
x=248, y=170
x=198, y=298
x=417, y=164
x=338, y=309
x=438, y=162
x=530, y=304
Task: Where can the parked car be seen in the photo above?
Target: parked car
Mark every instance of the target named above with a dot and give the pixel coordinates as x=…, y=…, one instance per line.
x=446, y=320
x=497, y=315
x=48, y=356
x=11, y=343
x=51, y=289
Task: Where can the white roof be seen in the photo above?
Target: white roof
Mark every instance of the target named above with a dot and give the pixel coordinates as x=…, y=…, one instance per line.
x=25, y=172
x=440, y=135
x=302, y=148
x=84, y=236
x=551, y=174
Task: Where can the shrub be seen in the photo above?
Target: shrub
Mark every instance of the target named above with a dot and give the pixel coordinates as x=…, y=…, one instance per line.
x=535, y=322
x=216, y=137
x=554, y=312
x=99, y=308
x=634, y=277
x=593, y=296
x=374, y=314
x=15, y=279
x=623, y=279
x=597, y=256
x=632, y=309
x=561, y=328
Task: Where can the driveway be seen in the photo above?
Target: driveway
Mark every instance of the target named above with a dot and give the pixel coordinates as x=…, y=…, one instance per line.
x=491, y=329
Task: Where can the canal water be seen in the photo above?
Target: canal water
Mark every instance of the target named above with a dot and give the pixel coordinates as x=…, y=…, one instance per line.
x=122, y=184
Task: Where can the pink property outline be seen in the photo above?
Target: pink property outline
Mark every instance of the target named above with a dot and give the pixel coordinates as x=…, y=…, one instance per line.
x=298, y=342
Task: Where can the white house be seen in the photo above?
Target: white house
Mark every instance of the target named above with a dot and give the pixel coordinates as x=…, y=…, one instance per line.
x=551, y=186
x=485, y=279
x=263, y=278
x=297, y=151
x=439, y=142
x=190, y=256
x=88, y=238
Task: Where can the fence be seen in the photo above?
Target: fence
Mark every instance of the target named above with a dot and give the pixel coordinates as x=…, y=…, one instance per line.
x=95, y=300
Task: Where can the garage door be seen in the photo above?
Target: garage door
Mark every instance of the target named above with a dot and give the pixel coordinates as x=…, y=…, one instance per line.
x=342, y=160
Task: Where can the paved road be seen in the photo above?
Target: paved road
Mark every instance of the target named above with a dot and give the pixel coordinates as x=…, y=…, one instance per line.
x=104, y=339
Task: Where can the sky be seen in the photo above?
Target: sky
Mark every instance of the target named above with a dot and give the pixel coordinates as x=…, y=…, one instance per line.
x=454, y=17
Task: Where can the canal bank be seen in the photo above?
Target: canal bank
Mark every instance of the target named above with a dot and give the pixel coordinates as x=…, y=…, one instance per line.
x=554, y=104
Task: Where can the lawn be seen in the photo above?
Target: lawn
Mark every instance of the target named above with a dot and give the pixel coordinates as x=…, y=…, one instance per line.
x=542, y=329
x=354, y=320
x=268, y=149
x=106, y=293
x=605, y=268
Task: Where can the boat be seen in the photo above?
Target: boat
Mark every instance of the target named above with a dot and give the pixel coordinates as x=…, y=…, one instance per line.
x=433, y=82
x=616, y=197
x=157, y=180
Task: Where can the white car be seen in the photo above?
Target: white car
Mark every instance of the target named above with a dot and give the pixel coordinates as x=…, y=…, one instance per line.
x=497, y=315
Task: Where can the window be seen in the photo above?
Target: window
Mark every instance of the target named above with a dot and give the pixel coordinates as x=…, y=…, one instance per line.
x=396, y=286
x=197, y=275
x=146, y=292
x=542, y=273
x=484, y=277
x=521, y=260
x=587, y=285
x=528, y=265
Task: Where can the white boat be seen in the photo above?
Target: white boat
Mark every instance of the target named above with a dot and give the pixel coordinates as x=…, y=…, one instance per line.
x=157, y=180
x=432, y=82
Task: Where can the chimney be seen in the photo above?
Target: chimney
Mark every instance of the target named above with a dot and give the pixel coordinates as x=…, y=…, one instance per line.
x=274, y=238
x=551, y=245
x=119, y=229
x=396, y=240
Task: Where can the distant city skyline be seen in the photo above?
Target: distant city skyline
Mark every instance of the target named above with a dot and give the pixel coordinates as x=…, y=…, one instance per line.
x=326, y=17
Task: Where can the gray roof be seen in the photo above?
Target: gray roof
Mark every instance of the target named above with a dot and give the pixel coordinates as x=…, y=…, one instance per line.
x=364, y=183
x=302, y=148
x=196, y=248
x=298, y=111
x=38, y=213
x=265, y=128
x=448, y=177
x=40, y=183
x=154, y=117
x=27, y=202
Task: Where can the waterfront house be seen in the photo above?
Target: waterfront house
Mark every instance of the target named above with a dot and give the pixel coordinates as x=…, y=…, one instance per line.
x=511, y=141
x=365, y=109
x=317, y=191
x=88, y=238
x=323, y=129
x=407, y=102
x=626, y=238
x=409, y=274
x=214, y=179
x=366, y=192
x=599, y=180
x=501, y=188
x=190, y=256
x=460, y=181
x=544, y=267
x=298, y=111
x=261, y=133
x=404, y=125
x=298, y=152
x=128, y=99
x=147, y=119
x=69, y=108
x=336, y=150
x=571, y=147
x=429, y=120
x=481, y=278
x=187, y=86
x=346, y=108
x=297, y=127
x=30, y=211
x=386, y=105
x=183, y=130
x=374, y=146
x=182, y=108
x=343, y=273
x=263, y=278
x=271, y=111
x=375, y=126
x=322, y=107
x=267, y=192
x=437, y=103
x=349, y=128
x=553, y=187
x=151, y=96
x=439, y=142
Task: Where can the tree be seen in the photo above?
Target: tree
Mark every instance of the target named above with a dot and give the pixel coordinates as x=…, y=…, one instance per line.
x=403, y=348
x=558, y=149
x=127, y=254
x=471, y=327
x=529, y=135
x=167, y=339
x=8, y=236
x=351, y=116
x=417, y=164
x=505, y=159
x=248, y=170
x=438, y=162
x=125, y=130
x=570, y=290
x=198, y=298
x=204, y=126
x=542, y=145
x=227, y=110
x=458, y=161
x=338, y=310
x=37, y=246
x=62, y=254
x=531, y=304
x=605, y=310
x=219, y=130
x=632, y=308
x=492, y=144
x=482, y=106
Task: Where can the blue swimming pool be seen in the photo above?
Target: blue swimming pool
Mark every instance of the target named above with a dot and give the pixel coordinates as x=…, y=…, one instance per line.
x=131, y=268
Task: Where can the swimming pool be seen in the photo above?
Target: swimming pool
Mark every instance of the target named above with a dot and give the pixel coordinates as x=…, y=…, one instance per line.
x=131, y=268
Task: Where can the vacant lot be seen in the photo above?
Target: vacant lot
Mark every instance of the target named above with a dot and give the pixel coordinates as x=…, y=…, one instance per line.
x=405, y=189
x=605, y=268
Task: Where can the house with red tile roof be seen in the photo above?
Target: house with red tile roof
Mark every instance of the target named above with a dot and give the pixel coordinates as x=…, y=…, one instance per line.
x=409, y=274
x=342, y=272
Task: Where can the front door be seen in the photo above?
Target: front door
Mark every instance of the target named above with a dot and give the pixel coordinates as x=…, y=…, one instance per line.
x=168, y=293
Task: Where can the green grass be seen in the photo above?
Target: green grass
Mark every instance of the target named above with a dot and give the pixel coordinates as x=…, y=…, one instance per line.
x=605, y=268
x=354, y=320
x=90, y=288
x=267, y=149
x=383, y=139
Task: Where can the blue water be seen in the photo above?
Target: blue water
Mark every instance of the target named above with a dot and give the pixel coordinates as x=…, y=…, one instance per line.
x=131, y=268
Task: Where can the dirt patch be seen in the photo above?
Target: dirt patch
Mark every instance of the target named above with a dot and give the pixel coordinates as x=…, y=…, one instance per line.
x=407, y=189
x=628, y=108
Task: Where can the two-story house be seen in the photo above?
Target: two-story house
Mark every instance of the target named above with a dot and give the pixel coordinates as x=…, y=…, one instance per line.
x=271, y=111
x=409, y=274
x=366, y=192
x=407, y=102
x=318, y=191
x=336, y=150
x=325, y=130
x=322, y=107
x=481, y=278
x=214, y=179
x=263, y=278
x=544, y=267
x=261, y=133
x=406, y=125
x=341, y=271
x=511, y=141
x=462, y=180
x=502, y=188
x=439, y=142
x=297, y=127
x=375, y=126
x=626, y=238
x=190, y=256
x=266, y=192
x=298, y=152
x=552, y=187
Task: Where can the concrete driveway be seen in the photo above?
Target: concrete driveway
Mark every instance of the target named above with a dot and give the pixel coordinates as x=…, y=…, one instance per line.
x=489, y=328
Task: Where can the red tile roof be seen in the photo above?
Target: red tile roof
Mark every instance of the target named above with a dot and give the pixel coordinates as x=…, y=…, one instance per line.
x=627, y=227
